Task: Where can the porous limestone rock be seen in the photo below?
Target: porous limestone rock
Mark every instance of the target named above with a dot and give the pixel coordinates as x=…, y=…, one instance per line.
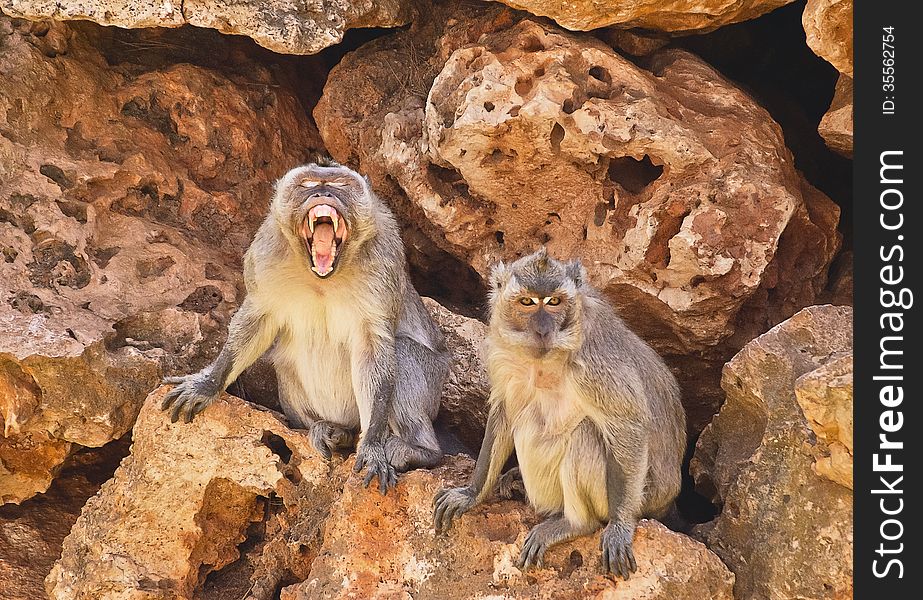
x=179, y=505
x=678, y=16
x=279, y=25
x=826, y=398
x=493, y=135
x=127, y=198
x=386, y=547
x=785, y=527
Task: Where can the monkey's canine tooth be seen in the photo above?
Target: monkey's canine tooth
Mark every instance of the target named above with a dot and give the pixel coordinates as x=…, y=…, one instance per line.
x=336, y=223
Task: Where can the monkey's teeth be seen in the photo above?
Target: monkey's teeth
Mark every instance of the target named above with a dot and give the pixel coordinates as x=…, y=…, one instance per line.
x=311, y=220
x=336, y=222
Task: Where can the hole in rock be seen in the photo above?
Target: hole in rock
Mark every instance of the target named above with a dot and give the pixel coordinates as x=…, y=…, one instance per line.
x=523, y=86
x=632, y=174
x=600, y=74
x=277, y=445
x=693, y=506
x=557, y=136
x=489, y=106
x=532, y=44
x=57, y=175
x=203, y=299
x=73, y=209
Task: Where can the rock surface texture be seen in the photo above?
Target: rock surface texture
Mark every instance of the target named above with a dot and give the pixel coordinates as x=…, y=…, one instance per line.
x=127, y=198
x=280, y=25
x=180, y=504
x=377, y=547
x=829, y=32
x=674, y=187
x=786, y=524
x=678, y=16
x=837, y=125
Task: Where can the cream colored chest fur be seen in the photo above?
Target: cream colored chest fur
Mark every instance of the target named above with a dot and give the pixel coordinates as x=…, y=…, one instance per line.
x=544, y=407
x=319, y=334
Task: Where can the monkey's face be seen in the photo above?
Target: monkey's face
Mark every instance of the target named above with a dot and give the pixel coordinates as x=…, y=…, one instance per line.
x=320, y=208
x=534, y=304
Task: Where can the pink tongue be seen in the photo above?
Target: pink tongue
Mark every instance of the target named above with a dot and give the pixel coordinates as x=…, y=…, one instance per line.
x=323, y=242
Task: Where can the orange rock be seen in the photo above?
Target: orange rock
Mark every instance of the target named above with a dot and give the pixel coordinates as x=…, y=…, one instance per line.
x=386, y=547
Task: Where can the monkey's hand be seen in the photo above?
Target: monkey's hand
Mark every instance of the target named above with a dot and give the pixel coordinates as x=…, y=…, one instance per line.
x=618, y=557
x=327, y=437
x=450, y=503
x=191, y=395
x=371, y=455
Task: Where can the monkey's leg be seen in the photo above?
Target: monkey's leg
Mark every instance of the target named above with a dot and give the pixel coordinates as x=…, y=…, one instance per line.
x=325, y=435
x=495, y=449
x=250, y=334
x=548, y=533
x=373, y=368
x=626, y=471
x=417, y=389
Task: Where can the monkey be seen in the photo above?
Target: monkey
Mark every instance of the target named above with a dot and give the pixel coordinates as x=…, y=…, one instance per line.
x=327, y=288
x=592, y=411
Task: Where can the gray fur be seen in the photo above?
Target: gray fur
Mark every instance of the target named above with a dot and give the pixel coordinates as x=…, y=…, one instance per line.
x=593, y=412
x=355, y=349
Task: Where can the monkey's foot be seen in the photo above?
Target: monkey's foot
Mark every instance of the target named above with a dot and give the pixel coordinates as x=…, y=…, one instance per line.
x=372, y=457
x=404, y=456
x=543, y=536
x=511, y=485
x=450, y=503
x=327, y=437
x=190, y=396
x=618, y=557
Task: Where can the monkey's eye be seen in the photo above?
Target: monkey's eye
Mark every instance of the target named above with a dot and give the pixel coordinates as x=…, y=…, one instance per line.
x=309, y=183
x=552, y=301
x=527, y=301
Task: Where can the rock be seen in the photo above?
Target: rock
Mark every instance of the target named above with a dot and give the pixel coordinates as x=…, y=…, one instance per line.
x=825, y=396
x=464, y=399
x=31, y=534
x=828, y=30
x=385, y=547
x=673, y=186
x=284, y=27
x=837, y=125
x=180, y=504
x=127, y=198
x=684, y=16
x=784, y=529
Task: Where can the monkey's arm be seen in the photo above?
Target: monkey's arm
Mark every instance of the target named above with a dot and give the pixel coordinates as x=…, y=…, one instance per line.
x=373, y=382
x=626, y=470
x=495, y=450
x=250, y=333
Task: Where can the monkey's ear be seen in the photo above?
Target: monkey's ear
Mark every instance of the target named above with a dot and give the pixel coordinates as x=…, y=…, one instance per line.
x=499, y=275
x=575, y=271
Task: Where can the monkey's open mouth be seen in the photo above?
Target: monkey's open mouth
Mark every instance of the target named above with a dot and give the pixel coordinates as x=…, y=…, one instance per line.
x=324, y=231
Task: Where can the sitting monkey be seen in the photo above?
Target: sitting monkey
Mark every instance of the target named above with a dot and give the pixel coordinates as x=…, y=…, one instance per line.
x=592, y=411
x=354, y=346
